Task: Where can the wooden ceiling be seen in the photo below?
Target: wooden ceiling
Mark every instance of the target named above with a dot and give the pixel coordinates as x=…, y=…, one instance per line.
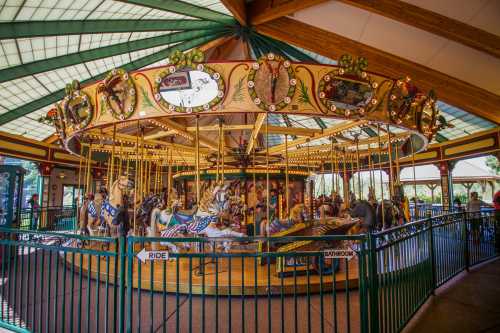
x=283, y=20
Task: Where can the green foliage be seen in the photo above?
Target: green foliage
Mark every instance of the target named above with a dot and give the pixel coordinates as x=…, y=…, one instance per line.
x=238, y=90
x=304, y=94
x=492, y=163
x=146, y=101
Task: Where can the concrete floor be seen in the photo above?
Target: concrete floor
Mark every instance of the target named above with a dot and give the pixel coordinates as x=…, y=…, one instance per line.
x=468, y=303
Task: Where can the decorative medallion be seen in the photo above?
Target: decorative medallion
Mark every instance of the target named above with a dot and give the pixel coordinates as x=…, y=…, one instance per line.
x=119, y=94
x=346, y=91
x=187, y=85
x=271, y=83
x=408, y=105
x=77, y=108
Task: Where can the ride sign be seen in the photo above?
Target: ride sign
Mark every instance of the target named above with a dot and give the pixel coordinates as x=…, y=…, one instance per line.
x=339, y=253
x=144, y=255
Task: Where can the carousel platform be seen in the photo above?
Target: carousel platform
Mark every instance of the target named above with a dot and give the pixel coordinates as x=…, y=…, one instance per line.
x=236, y=274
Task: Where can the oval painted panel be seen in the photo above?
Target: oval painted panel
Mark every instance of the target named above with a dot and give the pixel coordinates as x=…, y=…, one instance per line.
x=188, y=88
x=347, y=94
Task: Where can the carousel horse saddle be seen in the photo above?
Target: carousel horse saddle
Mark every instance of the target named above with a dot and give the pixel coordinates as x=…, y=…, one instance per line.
x=182, y=218
x=112, y=211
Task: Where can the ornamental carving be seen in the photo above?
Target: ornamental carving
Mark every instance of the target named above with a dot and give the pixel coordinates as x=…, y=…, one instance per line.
x=271, y=83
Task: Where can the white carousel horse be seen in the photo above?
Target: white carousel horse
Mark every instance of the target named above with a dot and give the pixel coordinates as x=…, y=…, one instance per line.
x=110, y=207
x=202, y=222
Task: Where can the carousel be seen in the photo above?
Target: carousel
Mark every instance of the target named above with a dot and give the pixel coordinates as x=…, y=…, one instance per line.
x=198, y=149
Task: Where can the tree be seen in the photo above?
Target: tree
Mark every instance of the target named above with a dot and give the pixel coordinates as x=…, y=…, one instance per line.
x=492, y=163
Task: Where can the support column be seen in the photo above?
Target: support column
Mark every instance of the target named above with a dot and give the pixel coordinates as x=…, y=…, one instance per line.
x=445, y=170
x=45, y=171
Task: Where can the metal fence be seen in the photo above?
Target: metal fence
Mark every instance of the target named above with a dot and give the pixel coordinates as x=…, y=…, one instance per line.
x=48, y=218
x=53, y=282
x=414, y=259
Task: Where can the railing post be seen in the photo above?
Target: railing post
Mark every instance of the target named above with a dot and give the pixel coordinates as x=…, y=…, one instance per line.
x=465, y=219
x=373, y=284
x=433, y=255
x=121, y=258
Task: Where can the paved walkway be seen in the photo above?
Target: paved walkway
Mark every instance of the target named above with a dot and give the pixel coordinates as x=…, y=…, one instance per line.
x=468, y=303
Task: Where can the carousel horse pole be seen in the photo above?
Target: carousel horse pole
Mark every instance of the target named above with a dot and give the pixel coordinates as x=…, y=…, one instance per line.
x=80, y=197
x=391, y=174
x=379, y=144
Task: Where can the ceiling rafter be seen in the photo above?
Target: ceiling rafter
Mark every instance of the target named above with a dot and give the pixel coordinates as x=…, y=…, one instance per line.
x=181, y=130
x=40, y=66
x=184, y=8
x=432, y=22
x=259, y=121
x=261, y=11
x=327, y=132
x=451, y=90
x=25, y=29
x=35, y=105
x=238, y=9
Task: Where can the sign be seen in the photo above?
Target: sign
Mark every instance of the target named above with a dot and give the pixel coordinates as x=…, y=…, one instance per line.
x=152, y=255
x=339, y=253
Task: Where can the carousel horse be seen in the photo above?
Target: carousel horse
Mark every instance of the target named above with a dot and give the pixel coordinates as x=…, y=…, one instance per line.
x=366, y=212
x=111, y=207
x=277, y=225
x=95, y=220
x=389, y=217
x=203, y=221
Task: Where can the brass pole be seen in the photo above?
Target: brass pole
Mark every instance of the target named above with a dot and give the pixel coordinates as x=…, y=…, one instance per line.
x=345, y=181
x=268, y=199
x=223, y=147
x=360, y=190
x=332, y=167
x=80, y=194
x=197, y=143
x=219, y=146
x=391, y=175
x=414, y=177
x=255, y=195
x=113, y=156
x=88, y=182
x=287, y=199
x=380, y=173
x=136, y=184
x=121, y=161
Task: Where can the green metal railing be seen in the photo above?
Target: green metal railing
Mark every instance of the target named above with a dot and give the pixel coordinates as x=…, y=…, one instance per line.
x=53, y=282
x=60, y=218
x=414, y=259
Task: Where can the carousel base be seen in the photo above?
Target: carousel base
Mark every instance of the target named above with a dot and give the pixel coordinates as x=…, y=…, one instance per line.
x=218, y=276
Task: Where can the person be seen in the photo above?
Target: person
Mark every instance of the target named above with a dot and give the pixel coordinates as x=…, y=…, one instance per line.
x=496, y=204
x=474, y=210
x=35, y=211
x=458, y=205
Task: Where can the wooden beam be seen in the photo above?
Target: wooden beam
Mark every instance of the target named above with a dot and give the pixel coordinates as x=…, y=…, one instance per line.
x=223, y=51
x=181, y=130
x=450, y=90
x=53, y=138
x=259, y=121
x=261, y=11
x=238, y=9
x=327, y=132
x=432, y=22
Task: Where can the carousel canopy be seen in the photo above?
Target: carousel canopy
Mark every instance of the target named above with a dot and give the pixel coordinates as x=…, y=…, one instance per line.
x=46, y=44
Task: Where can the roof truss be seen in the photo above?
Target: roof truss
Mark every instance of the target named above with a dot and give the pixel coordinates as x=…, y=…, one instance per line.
x=451, y=90
x=24, y=29
x=432, y=22
x=139, y=63
x=184, y=8
x=35, y=67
